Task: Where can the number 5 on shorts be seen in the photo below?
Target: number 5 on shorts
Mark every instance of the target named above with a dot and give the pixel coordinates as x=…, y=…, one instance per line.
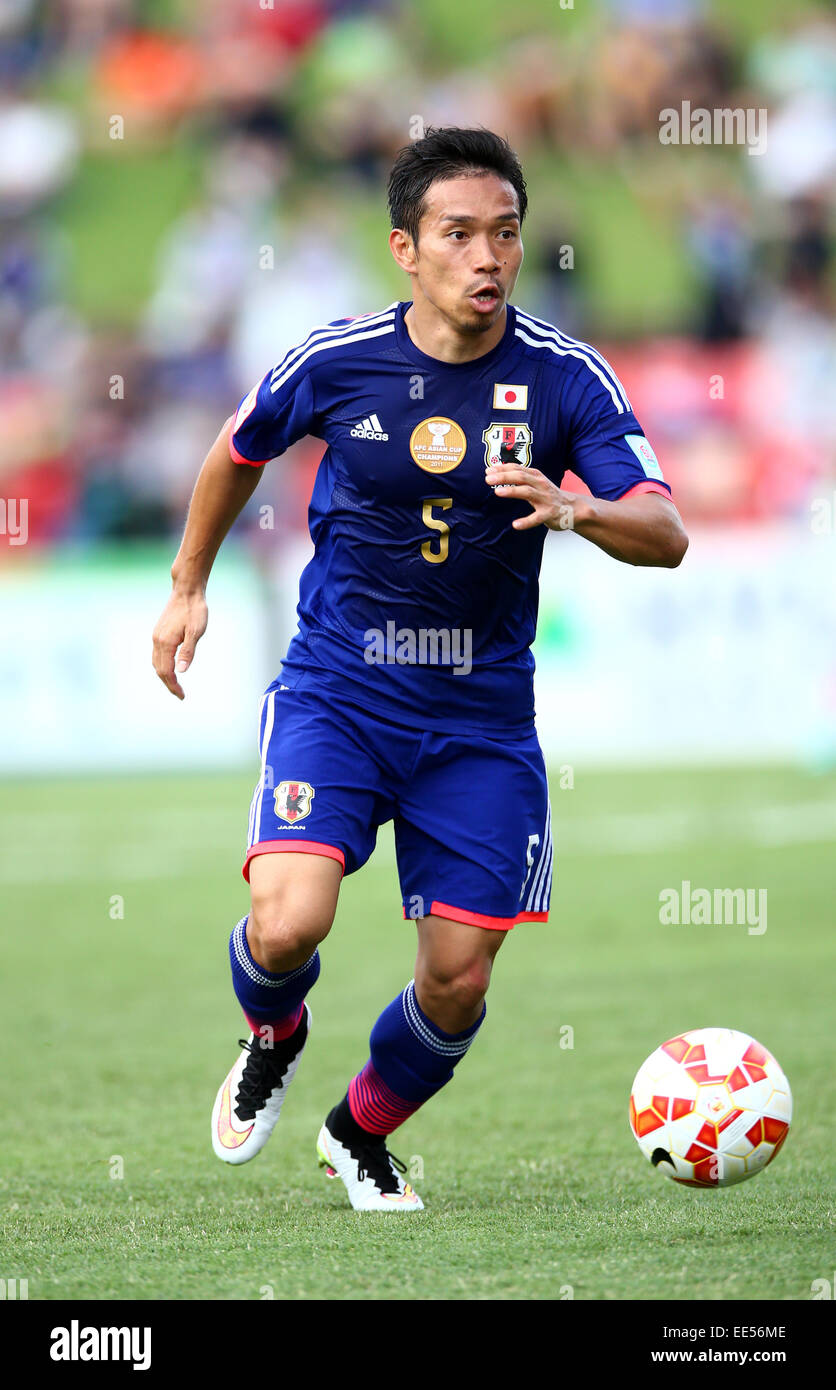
x=533, y=842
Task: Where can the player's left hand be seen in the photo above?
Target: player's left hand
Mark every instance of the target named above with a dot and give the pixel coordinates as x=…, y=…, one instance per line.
x=552, y=506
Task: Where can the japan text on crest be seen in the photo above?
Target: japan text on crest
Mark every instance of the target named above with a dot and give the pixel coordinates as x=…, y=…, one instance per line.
x=293, y=800
x=507, y=444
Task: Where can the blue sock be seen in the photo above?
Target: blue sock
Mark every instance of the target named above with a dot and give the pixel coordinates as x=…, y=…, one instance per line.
x=411, y=1059
x=269, y=1000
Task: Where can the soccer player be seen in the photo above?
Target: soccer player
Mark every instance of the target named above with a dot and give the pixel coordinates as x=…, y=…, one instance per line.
x=407, y=692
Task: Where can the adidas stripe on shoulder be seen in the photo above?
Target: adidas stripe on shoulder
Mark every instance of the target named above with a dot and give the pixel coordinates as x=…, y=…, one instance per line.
x=327, y=337
x=537, y=333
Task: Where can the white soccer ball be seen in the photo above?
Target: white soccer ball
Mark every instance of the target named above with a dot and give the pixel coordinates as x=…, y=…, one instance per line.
x=710, y=1107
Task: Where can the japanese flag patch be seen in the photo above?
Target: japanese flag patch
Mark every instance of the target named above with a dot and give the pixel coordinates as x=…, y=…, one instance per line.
x=509, y=397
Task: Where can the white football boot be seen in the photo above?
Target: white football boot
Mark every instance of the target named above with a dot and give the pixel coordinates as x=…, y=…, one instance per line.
x=372, y=1175
x=250, y=1100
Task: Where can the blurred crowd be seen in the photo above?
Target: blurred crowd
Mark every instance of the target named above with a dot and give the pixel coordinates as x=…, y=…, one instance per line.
x=291, y=112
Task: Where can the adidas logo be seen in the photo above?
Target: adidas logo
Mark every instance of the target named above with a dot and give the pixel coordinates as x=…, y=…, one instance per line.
x=370, y=428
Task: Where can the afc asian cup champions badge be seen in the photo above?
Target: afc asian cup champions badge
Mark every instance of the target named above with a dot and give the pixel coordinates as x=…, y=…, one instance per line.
x=292, y=800
x=438, y=444
x=507, y=444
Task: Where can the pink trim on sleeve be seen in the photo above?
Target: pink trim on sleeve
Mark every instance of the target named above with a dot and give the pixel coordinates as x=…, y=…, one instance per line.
x=239, y=457
x=645, y=487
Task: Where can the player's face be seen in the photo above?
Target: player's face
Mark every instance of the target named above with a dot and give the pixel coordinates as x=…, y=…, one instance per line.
x=469, y=250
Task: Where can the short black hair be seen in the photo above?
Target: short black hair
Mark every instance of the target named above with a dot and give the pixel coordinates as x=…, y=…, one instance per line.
x=447, y=152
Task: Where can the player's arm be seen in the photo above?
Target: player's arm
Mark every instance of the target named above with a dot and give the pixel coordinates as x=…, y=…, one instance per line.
x=629, y=514
x=644, y=529
x=222, y=489
x=278, y=411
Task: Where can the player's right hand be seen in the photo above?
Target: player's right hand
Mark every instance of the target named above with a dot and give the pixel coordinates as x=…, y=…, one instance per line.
x=182, y=623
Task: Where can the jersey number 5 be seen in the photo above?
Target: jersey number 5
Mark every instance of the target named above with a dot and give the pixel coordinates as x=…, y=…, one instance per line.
x=436, y=556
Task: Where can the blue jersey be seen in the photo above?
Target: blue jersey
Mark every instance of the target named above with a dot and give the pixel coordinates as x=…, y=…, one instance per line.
x=420, y=602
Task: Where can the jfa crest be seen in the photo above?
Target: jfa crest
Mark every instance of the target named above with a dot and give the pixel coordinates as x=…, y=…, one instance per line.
x=293, y=800
x=507, y=444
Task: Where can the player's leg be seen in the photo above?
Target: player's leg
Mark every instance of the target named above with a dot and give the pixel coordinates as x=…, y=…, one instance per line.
x=274, y=950
x=309, y=821
x=426, y=1030
x=467, y=886
x=274, y=958
x=414, y=1046
x=453, y=971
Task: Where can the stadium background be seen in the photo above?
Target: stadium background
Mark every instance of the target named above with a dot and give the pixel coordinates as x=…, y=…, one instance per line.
x=185, y=188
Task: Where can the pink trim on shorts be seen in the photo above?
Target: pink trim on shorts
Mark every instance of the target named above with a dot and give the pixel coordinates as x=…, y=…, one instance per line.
x=295, y=847
x=481, y=919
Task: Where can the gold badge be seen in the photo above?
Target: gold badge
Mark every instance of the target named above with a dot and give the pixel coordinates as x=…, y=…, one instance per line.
x=438, y=444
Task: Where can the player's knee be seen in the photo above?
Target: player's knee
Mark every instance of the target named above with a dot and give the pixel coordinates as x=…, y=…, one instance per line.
x=462, y=989
x=284, y=931
x=294, y=899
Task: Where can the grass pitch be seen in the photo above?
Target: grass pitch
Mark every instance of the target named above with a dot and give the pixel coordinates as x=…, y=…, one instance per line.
x=119, y=1029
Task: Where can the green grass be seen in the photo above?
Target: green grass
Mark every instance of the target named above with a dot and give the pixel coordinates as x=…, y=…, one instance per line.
x=115, y=217
x=121, y=1030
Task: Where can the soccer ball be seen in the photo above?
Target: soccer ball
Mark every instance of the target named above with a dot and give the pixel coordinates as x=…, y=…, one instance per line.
x=710, y=1107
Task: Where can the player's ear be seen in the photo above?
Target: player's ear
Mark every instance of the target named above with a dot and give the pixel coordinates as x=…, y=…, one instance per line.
x=402, y=248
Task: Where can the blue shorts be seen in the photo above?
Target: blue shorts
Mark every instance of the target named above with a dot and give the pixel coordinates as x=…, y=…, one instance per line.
x=471, y=813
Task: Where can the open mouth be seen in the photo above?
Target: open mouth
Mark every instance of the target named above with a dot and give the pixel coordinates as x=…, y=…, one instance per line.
x=485, y=298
